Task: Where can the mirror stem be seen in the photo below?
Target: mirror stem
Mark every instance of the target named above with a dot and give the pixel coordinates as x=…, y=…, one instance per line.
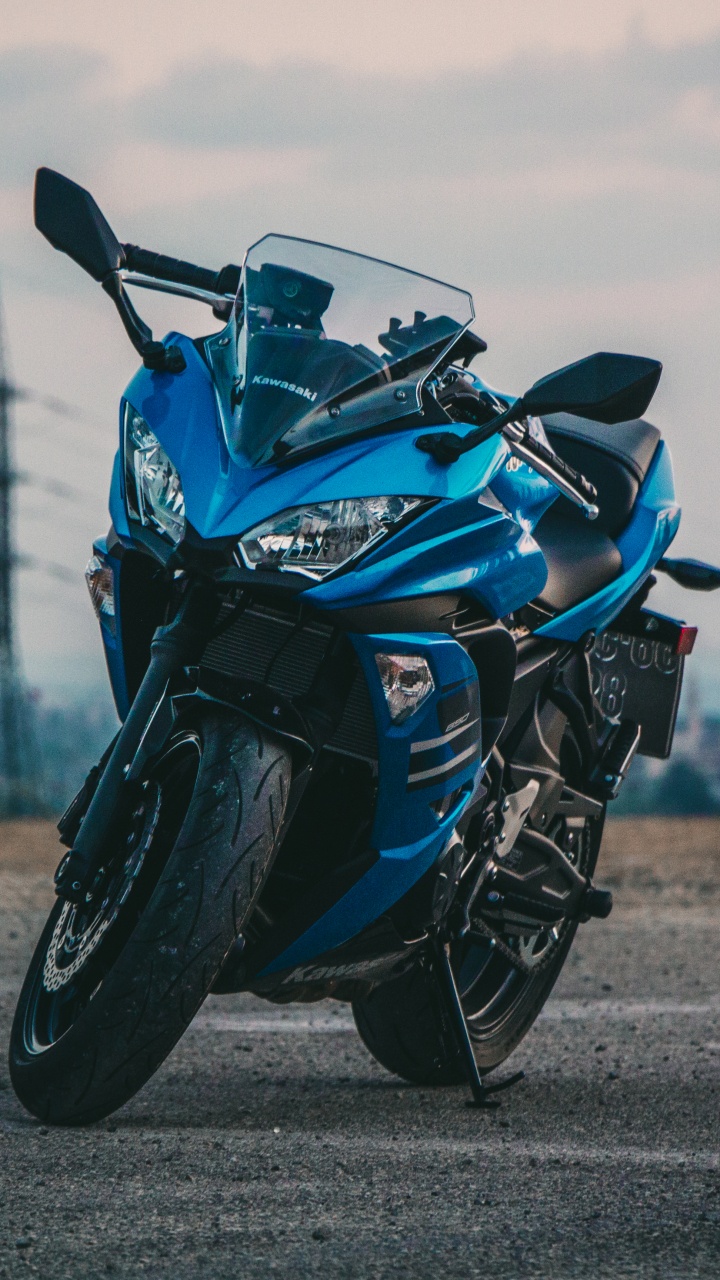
x=137, y=331
x=155, y=355
x=447, y=447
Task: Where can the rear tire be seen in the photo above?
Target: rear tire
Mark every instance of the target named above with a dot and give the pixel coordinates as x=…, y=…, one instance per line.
x=106, y=998
x=404, y=1024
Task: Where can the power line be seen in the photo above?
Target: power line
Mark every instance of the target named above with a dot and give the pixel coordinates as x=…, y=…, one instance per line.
x=62, y=408
x=56, y=488
x=50, y=567
x=18, y=778
x=86, y=425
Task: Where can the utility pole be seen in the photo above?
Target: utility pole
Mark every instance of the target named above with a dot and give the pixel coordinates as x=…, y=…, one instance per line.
x=17, y=784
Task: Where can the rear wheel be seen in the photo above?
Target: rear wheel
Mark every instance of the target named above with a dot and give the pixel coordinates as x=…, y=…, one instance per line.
x=403, y=1022
x=115, y=981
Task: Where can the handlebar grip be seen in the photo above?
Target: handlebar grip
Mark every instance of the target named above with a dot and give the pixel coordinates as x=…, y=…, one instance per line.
x=176, y=271
x=576, y=478
x=573, y=477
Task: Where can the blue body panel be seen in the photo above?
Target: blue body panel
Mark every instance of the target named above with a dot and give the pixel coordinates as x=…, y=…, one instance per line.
x=492, y=558
x=470, y=541
x=113, y=639
x=223, y=498
x=396, y=871
x=407, y=834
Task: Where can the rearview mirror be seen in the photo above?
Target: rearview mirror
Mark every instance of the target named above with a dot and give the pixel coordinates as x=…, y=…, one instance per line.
x=604, y=387
x=69, y=218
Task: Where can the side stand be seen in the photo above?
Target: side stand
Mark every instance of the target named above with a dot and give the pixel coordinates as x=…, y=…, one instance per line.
x=481, y=1093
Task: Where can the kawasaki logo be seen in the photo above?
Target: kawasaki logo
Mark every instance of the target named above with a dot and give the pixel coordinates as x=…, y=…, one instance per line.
x=305, y=392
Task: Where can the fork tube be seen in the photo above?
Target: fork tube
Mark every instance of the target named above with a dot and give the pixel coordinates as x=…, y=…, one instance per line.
x=172, y=647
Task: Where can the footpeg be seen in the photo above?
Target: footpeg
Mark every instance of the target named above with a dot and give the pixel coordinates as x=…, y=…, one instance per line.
x=595, y=904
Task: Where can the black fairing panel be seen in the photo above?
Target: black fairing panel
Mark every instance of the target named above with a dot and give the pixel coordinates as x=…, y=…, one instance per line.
x=495, y=656
x=143, y=604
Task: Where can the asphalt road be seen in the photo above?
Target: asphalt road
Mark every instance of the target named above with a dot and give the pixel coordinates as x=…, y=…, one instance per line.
x=270, y=1143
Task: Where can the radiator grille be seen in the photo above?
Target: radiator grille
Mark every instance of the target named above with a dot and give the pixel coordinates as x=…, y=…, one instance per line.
x=279, y=651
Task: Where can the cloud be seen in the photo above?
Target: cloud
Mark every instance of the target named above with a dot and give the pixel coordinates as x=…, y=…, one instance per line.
x=52, y=111
x=549, y=169
x=577, y=196
x=639, y=102
x=530, y=110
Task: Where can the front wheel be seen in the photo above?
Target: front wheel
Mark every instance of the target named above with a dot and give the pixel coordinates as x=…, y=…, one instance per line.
x=113, y=984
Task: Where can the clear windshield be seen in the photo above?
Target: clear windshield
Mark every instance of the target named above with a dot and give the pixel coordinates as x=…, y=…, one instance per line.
x=326, y=343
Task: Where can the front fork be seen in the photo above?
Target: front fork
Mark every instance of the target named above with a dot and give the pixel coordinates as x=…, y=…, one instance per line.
x=307, y=724
x=173, y=647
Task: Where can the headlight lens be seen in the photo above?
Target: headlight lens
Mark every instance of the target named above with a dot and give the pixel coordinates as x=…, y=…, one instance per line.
x=153, y=485
x=316, y=539
x=407, y=682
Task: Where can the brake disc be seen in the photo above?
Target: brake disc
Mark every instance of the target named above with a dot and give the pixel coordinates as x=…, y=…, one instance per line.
x=80, y=927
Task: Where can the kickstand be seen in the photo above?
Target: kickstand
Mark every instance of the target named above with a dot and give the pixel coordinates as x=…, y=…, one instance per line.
x=481, y=1093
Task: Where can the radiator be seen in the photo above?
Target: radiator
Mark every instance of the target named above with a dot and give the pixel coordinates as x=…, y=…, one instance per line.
x=274, y=649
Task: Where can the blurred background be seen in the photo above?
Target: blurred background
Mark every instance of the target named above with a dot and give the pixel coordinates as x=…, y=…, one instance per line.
x=561, y=160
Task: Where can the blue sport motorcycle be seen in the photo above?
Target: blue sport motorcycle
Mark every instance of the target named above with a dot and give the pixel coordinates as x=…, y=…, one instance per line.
x=378, y=639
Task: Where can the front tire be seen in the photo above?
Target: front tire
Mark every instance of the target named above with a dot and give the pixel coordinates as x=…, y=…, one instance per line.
x=113, y=986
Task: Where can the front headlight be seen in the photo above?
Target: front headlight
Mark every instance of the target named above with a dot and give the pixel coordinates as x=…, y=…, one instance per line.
x=152, y=483
x=316, y=539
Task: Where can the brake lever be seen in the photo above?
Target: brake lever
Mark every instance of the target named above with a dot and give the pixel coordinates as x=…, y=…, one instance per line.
x=572, y=484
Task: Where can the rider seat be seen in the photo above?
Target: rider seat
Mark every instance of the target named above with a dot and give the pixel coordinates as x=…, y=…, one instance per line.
x=582, y=556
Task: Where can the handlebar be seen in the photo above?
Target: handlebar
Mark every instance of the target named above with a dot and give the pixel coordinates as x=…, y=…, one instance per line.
x=552, y=459
x=573, y=484
x=161, y=267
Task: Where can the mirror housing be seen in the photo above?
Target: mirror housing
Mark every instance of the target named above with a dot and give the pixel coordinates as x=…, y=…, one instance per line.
x=69, y=218
x=604, y=387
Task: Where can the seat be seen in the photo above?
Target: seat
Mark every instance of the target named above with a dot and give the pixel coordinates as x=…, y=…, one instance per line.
x=583, y=557
x=615, y=459
x=580, y=559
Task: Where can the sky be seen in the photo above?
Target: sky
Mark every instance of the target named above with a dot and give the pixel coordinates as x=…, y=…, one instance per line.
x=560, y=160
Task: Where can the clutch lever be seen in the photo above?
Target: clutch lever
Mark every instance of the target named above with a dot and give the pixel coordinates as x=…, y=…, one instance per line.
x=548, y=464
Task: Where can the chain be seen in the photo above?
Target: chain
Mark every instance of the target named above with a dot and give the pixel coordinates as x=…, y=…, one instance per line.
x=478, y=926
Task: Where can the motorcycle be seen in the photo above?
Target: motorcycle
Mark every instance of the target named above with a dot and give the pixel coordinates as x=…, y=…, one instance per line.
x=378, y=640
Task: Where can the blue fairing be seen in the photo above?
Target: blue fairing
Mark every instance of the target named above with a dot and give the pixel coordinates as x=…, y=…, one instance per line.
x=224, y=498
x=471, y=541
x=461, y=544
x=112, y=638
x=407, y=834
